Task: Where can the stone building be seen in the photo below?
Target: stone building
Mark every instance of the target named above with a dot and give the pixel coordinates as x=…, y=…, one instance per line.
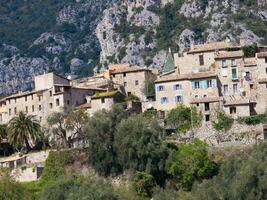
x=132, y=78
x=215, y=76
x=52, y=93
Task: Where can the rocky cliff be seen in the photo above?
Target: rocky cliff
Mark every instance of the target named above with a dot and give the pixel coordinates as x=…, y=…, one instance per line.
x=74, y=37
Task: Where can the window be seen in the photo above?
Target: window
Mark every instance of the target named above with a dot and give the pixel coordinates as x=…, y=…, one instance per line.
x=224, y=63
x=102, y=100
x=15, y=111
x=26, y=109
x=205, y=96
x=32, y=108
x=235, y=88
x=9, y=111
x=26, y=98
x=68, y=102
x=32, y=96
x=136, y=82
x=207, y=106
x=233, y=62
x=177, y=87
x=234, y=73
x=197, y=84
x=209, y=83
x=207, y=118
x=232, y=110
x=178, y=99
x=266, y=70
x=114, y=75
x=225, y=89
x=201, y=60
x=40, y=107
x=161, y=114
x=197, y=104
x=15, y=100
x=164, y=100
x=124, y=74
x=51, y=105
x=196, y=96
x=161, y=88
x=57, y=102
x=39, y=98
x=265, y=60
x=251, y=86
x=40, y=119
x=50, y=93
x=247, y=76
x=125, y=84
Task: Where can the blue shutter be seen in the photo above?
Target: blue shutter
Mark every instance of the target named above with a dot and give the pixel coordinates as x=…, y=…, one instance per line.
x=214, y=83
x=205, y=85
x=174, y=87
x=193, y=85
x=201, y=84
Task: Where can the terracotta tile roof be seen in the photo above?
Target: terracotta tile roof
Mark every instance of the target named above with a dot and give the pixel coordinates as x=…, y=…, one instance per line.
x=204, y=100
x=237, y=102
x=86, y=105
x=129, y=70
x=229, y=54
x=21, y=94
x=250, y=61
x=209, y=47
x=200, y=75
x=262, y=80
x=262, y=55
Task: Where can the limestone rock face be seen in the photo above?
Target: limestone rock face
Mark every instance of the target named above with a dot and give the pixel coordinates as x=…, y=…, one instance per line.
x=90, y=34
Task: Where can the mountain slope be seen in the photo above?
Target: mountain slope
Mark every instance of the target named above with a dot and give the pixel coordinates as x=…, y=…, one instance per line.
x=74, y=36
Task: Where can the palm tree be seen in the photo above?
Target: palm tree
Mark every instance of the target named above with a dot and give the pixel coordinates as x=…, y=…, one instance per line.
x=23, y=129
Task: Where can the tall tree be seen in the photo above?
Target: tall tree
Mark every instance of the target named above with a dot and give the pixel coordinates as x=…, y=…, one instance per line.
x=68, y=126
x=23, y=130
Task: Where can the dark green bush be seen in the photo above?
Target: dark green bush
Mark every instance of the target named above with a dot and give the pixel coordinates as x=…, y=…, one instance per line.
x=253, y=120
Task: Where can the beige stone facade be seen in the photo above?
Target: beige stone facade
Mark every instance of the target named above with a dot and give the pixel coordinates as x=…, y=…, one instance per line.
x=215, y=76
x=53, y=95
x=132, y=78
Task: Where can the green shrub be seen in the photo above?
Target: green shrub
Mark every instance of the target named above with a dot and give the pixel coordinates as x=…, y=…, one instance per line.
x=223, y=122
x=55, y=165
x=183, y=118
x=191, y=163
x=143, y=184
x=241, y=176
x=253, y=120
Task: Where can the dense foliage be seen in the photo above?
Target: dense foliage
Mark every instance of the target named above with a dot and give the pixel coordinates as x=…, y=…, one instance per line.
x=253, y=120
x=190, y=162
x=223, y=122
x=183, y=118
x=23, y=130
x=241, y=176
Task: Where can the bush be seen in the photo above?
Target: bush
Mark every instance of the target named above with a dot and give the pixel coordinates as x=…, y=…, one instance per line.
x=191, y=163
x=143, y=184
x=253, y=120
x=55, y=165
x=241, y=176
x=223, y=122
x=183, y=118
x=9, y=188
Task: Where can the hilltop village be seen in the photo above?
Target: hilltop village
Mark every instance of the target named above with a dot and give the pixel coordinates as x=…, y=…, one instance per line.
x=209, y=77
x=133, y=132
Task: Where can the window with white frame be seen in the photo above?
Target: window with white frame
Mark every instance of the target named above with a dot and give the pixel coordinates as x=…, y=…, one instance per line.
x=164, y=100
x=161, y=88
x=177, y=87
x=178, y=99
